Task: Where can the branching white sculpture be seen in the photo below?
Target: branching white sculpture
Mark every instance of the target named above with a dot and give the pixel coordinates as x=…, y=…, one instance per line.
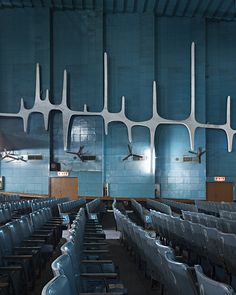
x=44, y=106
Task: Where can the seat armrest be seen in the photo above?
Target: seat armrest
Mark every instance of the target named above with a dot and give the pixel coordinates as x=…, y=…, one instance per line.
x=4, y=285
x=99, y=275
x=41, y=230
x=10, y=268
x=12, y=257
x=110, y=293
x=93, y=238
x=40, y=235
x=95, y=244
x=34, y=241
x=96, y=251
x=100, y=261
x=23, y=248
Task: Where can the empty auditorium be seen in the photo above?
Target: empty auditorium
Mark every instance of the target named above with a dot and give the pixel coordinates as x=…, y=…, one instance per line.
x=118, y=147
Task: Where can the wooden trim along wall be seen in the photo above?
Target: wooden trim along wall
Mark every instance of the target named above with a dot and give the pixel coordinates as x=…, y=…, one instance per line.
x=104, y=198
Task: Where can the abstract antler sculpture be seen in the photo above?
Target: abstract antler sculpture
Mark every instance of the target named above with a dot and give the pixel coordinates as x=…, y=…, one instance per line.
x=44, y=106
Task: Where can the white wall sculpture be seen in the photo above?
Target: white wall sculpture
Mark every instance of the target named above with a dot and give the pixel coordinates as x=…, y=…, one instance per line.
x=44, y=106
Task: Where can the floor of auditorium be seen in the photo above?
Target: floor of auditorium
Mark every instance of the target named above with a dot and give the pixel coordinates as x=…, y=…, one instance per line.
x=132, y=277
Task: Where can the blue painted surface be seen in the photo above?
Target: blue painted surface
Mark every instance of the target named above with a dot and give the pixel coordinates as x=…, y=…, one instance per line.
x=24, y=41
x=130, y=47
x=179, y=179
x=221, y=76
x=141, y=48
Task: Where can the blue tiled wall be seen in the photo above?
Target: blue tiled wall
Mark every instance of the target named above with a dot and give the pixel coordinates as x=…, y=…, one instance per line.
x=87, y=132
x=179, y=179
x=24, y=41
x=141, y=48
x=220, y=82
x=130, y=45
x=78, y=47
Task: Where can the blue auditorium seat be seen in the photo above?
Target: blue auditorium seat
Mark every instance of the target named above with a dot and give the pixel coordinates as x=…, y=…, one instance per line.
x=214, y=248
x=229, y=246
x=95, y=282
x=11, y=250
x=159, y=257
x=181, y=281
x=39, y=225
x=231, y=225
x=59, y=285
x=199, y=240
x=228, y=215
x=28, y=232
x=208, y=286
x=2, y=217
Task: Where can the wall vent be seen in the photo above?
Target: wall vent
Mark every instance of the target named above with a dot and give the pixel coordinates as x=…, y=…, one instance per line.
x=187, y=159
x=35, y=157
x=88, y=158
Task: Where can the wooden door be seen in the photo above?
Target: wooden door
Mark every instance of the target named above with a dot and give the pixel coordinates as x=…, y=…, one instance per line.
x=219, y=191
x=61, y=187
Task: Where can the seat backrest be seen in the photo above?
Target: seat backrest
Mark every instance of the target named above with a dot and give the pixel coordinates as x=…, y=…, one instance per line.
x=228, y=242
x=162, y=250
x=208, y=286
x=2, y=216
x=37, y=218
x=213, y=244
x=231, y=225
x=188, y=236
x=26, y=226
x=203, y=219
x=16, y=233
x=225, y=214
x=42, y=217
x=232, y=215
x=195, y=218
x=63, y=266
x=69, y=248
x=211, y=221
x=198, y=236
x=59, y=285
x=6, y=243
x=180, y=278
x=7, y=214
x=186, y=215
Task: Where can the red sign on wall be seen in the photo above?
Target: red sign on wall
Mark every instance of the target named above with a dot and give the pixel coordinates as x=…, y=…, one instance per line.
x=62, y=173
x=219, y=178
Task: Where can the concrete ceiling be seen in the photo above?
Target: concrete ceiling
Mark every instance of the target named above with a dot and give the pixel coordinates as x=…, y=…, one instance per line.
x=214, y=9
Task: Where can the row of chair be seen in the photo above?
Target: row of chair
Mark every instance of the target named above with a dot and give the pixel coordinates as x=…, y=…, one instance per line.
x=158, y=206
x=142, y=212
x=37, y=204
x=25, y=246
x=213, y=208
x=13, y=210
x=227, y=214
x=8, y=198
x=83, y=267
x=27, y=204
x=161, y=264
x=222, y=224
x=216, y=247
x=71, y=206
x=5, y=215
x=94, y=207
x=69, y=209
x=178, y=206
x=21, y=206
